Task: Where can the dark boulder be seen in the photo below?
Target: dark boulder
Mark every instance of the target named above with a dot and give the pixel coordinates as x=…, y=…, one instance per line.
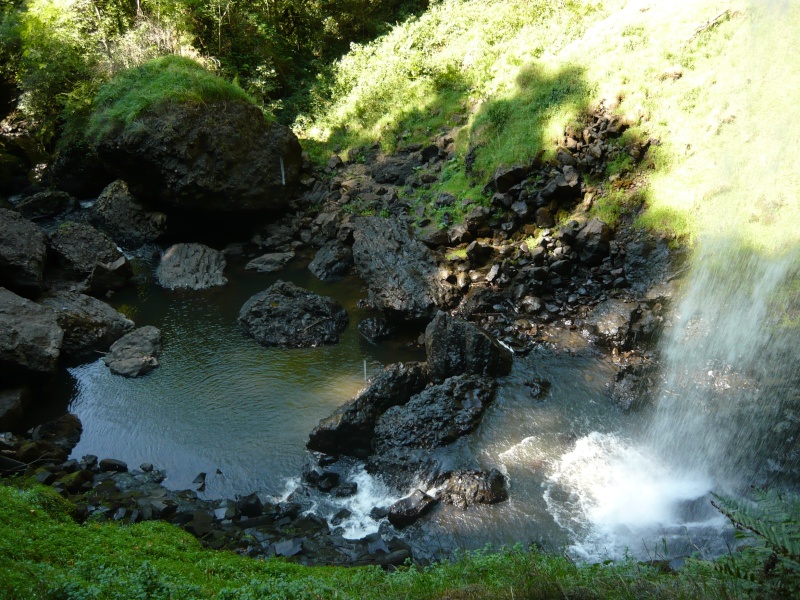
x=437, y=416
x=191, y=266
x=110, y=276
x=402, y=273
x=217, y=156
x=30, y=337
x=289, y=316
x=611, y=322
x=23, y=252
x=12, y=407
x=64, y=432
x=633, y=386
x=376, y=329
x=393, y=170
x=593, y=242
x=333, y=260
x=506, y=178
x=407, y=510
x=270, y=263
x=456, y=347
x=127, y=219
x=136, y=353
x=46, y=204
x=89, y=324
x=80, y=248
x=465, y=488
x=350, y=429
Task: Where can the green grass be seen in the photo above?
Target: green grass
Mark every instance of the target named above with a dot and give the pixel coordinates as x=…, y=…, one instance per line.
x=45, y=554
x=157, y=83
x=713, y=81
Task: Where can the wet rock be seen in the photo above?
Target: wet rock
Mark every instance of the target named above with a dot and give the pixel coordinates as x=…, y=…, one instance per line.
x=323, y=480
x=12, y=407
x=191, y=266
x=216, y=156
x=402, y=274
x=250, y=506
x=269, y=263
x=136, y=353
x=592, y=241
x=23, y=252
x=112, y=465
x=455, y=347
x=632, y=386
x=30, y=337
x=290, y=316
x=333, y=260
x=611, y=322
x=465, y=488
x=126, y=219
x=89, y=324
x=64, y=432
x=46, y=204
x=110, y=276
x=351, y=428
x=410, y=509
x=80, y=247
x=437, y=416
x=376, y=329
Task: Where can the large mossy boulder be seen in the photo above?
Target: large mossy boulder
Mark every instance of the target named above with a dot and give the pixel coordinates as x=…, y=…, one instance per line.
x=186, y=139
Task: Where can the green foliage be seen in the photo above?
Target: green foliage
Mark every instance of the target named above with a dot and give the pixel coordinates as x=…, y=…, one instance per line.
x=157, y=83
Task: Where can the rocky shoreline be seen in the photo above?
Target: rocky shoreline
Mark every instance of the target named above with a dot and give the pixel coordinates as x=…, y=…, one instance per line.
x=504, y=280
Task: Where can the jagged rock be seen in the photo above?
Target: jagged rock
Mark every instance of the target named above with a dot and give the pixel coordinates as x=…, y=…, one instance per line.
x=455, y=347
x=269, y=263
x=407, y=510
x=30, y=337
x=611, y=322
x=350, y=429
x=88, y=323
x=191, y=266
x=376, y=329
x=12, y=407
x=127, y=219
x=504, y=179
x=465, y=488
x=216, y=156
x=632, y=386
x=46, y=204
x=110, y=276
x=393, y=170
x=80, y=247
x=136, y=353
x=400, y=271
x=437, y=416
x=333, y=260
x=64, y=432
x=23, y=252
x=290, y=316
x=251, y=506
x=592, y=241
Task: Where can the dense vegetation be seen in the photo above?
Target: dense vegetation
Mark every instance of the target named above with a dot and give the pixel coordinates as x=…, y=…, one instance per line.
x=45, y=554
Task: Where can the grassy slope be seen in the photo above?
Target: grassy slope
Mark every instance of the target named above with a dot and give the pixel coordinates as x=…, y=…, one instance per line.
x=44, y=554
x=712, y=80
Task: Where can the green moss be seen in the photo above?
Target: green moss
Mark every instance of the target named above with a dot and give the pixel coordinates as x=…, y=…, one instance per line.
x=157, y=83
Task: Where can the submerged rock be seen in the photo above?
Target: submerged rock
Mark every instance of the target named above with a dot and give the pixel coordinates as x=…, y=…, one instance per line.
x=269, y=263
x=30, y=337
x=23, y=253
x=191, y=266
x=454, y=347
x=88, y=323
x=402, y=274
x=290, y=316
x=136, y=353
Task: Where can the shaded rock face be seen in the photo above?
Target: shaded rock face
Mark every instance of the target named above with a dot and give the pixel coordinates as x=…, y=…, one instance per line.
x=30, y=337
x=80, y=247
x=191, y=266
x=12, y=407
x=331, y=261
x=437, y=416
x=407, y=510
x=465, y=488
x=64, y=432
x=289, y=316
x=350, y=429
x=593, y=242
x=401, y=272
x=88, y=323
x=136, y=353
x=46, y=204
x=128, y=220
x=220, y=156
x=455, y=347
x=23, y=252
